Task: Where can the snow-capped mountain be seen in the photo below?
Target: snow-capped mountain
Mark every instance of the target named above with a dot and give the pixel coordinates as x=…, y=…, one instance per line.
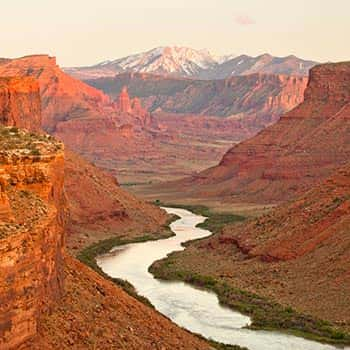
x=175, y=61
x=168, y=60
x=185, y=62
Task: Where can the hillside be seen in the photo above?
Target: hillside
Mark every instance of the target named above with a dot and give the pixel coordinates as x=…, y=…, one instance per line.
x=289, y=157
x=100, y=209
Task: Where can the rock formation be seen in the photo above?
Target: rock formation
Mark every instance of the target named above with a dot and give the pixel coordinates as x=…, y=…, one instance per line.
x=37, y=310
x=256, y=98
x=123, y=102
x=20, y=103
x=32, y=232
x=133, y=107
x=289, y=157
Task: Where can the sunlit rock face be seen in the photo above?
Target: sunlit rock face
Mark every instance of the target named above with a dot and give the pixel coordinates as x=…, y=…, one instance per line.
x=20, y=103
x=32, y=219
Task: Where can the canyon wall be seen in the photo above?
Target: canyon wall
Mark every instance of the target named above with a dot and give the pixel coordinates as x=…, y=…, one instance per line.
x=20, y=103
x=289, y=157
x=31, y=232
x=261, y=95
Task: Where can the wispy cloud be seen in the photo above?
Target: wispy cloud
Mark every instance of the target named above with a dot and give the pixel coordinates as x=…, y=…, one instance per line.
x=244, y=20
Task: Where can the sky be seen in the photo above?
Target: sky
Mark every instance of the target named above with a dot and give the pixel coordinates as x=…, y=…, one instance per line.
x=85, y=32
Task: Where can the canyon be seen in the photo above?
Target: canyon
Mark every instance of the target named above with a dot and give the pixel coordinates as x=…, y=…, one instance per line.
x=43, y=287
x=305, y=146
x=126, y=137
x=296, y=255
x=299, y=163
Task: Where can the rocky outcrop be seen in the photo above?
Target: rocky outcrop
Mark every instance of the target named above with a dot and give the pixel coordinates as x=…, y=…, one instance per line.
x=62, y=96
x=125, y=105
x=123, y=101
x=31, y=232
x=302, y=148
x=20, y=103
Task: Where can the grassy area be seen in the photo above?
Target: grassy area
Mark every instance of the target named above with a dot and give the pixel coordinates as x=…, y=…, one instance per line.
x=265, y=314
x=220, y=346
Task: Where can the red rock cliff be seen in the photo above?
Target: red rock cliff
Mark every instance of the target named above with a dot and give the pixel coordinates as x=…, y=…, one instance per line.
x=303, y=147
x=20, y=103
x=31, y=232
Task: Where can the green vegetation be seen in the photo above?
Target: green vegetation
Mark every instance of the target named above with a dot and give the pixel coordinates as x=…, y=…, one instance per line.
x=265, y=314
x=14, y=140
x=220, y=346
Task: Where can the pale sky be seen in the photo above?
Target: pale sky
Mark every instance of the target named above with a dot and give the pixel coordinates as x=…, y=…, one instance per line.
x=85, y=32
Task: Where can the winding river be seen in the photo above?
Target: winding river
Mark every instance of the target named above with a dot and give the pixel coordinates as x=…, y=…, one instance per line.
x=196, y=310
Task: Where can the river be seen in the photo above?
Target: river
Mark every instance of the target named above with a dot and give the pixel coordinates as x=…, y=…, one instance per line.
x=194, y=309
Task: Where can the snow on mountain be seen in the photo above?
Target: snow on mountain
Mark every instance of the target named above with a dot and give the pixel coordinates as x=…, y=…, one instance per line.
x=190, y=63
x=167, y=60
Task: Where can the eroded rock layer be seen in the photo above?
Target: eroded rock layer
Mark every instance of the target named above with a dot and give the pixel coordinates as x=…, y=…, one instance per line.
x=31, y=231
x=304, y=146
x=20, y=103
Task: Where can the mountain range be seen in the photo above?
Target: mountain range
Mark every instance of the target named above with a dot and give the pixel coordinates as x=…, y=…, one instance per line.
x=190, y=63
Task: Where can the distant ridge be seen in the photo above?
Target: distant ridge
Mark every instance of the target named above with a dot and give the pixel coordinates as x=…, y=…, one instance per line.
x=191, y=63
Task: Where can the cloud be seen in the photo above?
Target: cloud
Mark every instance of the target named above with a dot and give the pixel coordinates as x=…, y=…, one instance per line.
x=244, y=20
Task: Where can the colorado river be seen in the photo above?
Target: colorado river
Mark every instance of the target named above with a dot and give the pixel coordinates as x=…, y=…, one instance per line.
x=196, y=310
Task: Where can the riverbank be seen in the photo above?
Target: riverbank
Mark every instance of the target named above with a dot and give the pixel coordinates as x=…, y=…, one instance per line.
x=88, y=257
x=89, y=254
x=265, y=314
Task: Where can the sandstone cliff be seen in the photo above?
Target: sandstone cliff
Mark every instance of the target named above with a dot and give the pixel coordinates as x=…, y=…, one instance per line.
x=31, y=231
x=20, y=103
x=61, y=95
x=38, y=310
x=96, y=202
x=304, y=146
x=261, y=96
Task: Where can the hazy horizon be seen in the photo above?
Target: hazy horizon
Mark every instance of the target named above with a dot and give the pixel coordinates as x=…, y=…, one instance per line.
x=83, y=33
